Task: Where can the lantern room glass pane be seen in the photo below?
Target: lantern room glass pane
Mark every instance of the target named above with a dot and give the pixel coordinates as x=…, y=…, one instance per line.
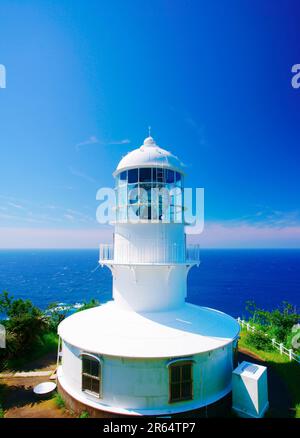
x=169, y=176
x=145, y=174
x=136, y=187
x=133, y=176
x=133, y=193
x=160, y=175
x=123, y=177
x=122, y=196
x=178, y=176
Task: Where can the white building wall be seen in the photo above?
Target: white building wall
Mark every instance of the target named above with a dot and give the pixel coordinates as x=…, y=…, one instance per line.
x=140, y=384
x=71, y=363
x=149, y=288
x=149, y=243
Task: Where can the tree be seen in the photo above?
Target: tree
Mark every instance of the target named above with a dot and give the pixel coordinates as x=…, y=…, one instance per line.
x=56, y=314
x=25, y=323
x=278, y=322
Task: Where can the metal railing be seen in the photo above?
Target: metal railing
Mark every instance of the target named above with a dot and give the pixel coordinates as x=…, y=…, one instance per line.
x=279, y=346
x=160, y=254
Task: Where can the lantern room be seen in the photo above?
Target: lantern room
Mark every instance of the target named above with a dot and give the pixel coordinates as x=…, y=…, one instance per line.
x=149, y=185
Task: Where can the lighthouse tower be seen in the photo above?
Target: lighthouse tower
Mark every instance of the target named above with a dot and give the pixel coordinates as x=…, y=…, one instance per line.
x=147, y=351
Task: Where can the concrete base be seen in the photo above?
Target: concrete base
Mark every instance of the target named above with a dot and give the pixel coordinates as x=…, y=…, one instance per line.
x=77, y=407
x=244, y=414
x=220, y=408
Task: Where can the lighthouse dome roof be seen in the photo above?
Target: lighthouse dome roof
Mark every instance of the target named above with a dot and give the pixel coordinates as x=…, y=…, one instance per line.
x=149, y=154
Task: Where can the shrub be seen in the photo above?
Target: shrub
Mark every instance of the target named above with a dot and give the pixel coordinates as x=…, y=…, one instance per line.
x=56, y=314
x=89, y=305
x=259, y=341
x=59, y=401
x=84, y=414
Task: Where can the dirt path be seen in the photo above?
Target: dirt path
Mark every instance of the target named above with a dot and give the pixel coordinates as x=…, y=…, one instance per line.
x=43, y=409
x=21, y=402
x=17, y=387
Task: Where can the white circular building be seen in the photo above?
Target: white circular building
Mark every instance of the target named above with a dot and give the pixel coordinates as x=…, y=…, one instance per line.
x=148, y=351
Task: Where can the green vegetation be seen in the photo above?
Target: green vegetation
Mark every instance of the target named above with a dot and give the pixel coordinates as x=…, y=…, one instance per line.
x=84, y=414
x=288, y=371
x=277, y=324
x=92, y=303
x=259, y=341
x=59, y=401
x=26, y=328
x=46, y=343
x=56, y=314
x=30, y=332
x=2, y=391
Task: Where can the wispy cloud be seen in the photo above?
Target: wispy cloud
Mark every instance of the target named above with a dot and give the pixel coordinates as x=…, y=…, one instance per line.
x=229, y=234
x=11, y=237
x=215, y=235
x=82, y=217
x=69, y=216
x=19, y=206
x=94, y=140
x=119, y=142
x=19, y=212
x=20, y=218
x=91, y=140
x=268, y=217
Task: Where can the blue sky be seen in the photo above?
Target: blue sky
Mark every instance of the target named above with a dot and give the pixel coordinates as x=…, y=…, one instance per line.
x=86, y=78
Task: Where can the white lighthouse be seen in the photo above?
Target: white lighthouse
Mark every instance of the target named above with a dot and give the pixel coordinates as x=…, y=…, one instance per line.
x=147, y=351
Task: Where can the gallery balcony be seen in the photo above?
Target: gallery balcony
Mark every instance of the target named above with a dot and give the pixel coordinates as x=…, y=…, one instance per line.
x=145, y=255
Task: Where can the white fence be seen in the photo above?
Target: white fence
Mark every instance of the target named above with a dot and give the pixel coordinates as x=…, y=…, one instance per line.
x=279, y=346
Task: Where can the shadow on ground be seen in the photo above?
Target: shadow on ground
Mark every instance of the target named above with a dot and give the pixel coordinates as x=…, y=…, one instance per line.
x=280, y=398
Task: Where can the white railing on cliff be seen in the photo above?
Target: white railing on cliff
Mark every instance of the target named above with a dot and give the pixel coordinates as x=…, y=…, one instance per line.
x=170, y=253
x=279, y=346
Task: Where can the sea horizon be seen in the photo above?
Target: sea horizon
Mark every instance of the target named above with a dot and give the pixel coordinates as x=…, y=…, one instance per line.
x=226, y=279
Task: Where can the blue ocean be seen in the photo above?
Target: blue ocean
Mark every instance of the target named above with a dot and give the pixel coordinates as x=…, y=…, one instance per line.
x=225, y=279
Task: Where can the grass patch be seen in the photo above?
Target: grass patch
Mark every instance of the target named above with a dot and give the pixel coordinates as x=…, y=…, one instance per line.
x=59, y=401
x=288, y=370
